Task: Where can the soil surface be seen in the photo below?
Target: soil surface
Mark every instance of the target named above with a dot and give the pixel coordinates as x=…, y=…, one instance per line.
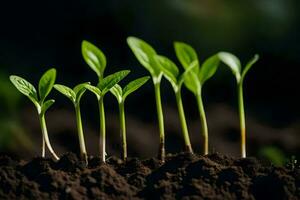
x=182, y=176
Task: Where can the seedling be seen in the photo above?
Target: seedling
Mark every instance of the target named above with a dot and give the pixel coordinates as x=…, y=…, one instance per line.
x=96, y=60
x=195, y=80
x=121, y=95
x=75, y=95
x=45, y=86
x=145, y=55
x=171, y=72
x=235, y=65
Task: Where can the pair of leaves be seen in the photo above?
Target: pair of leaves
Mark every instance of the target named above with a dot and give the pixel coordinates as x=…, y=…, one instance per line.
x=94, y=57
x=45, y=86
x=235, y=65
x=107, y=83
x=145, y=55
x=74, y=94
x=121, y=94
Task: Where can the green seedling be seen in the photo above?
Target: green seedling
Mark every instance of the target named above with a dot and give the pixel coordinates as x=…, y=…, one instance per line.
x=45, y=86
x=195, y=80
x=75, y=95
x=145, y=55
x=96, y=60
x=235, y=65
x=121, y=95
x=171, y=73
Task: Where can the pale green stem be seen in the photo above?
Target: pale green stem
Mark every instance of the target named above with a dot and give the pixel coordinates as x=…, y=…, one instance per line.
x=102, y=129
x=45, y=135
x=123, y=130
x=203, y=122
x=43, y=147
x=161, y=153
x=83, y=153
x=182, y=119
x=242, y=119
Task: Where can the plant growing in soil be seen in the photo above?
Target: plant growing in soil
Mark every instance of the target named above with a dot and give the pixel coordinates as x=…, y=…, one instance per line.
x=96, y=60
x=42, y=105
x=145, y=55
x=235, y=65
x=171, y=73
x=75, y=95
x=121, y=95
x=195, y=79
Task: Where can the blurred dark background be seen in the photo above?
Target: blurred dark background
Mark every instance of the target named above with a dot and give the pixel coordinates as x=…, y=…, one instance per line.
x=37, y=35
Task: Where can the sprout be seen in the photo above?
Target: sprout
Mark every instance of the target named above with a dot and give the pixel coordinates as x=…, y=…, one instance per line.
x=121, y=96
x=171, y=72
x=75, y=95
x=45, y=86
x=97, y=62
x=195, y=80
x=235, y=65
x=145, y=55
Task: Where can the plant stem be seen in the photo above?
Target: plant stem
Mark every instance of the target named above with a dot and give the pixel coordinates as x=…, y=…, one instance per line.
x=161, y=153
x=83, y=153
x=102, y=129
x=203, y=122
x=45, y=135
x=185, y=132
x=242, y=119
x=123, y=131
x=43, y=147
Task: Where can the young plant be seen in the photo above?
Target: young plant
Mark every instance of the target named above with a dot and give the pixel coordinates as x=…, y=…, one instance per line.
x=145, y=55
x=195, y=80
x=45, y=86
x=171, y=72
x=121, y=95
x=96, y=60
x=75, y=95
x=235, y=65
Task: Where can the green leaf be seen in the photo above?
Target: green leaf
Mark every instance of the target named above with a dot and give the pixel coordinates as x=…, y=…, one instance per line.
x=46, y=105
x=68, y=92
x=111, y=80
x=191, y=81
x=169, y=69
x=94, y=57
x=24, y=87
x=117, y=92
x=232, y=62
x=144, y=54
x=209, y=68
x=190, y=69
x=93, y=89
x=249, y=65
x=80, y=90
x=134, y=85
x=46, y=83
x=185, y=54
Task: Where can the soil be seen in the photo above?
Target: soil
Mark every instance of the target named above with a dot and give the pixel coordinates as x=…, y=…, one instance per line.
x=182, y=176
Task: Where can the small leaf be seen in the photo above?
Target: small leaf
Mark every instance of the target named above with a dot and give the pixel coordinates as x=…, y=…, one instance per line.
x=134, y=85
x=24, y=87
x=209, y=68
x=190, y=69
x=46, y=83
x=232, y=62
x=249, y=65
x=93, y=89
x=68, y=92
x=169, y=69
x=117, y=92
x=80, y=90
x=46, y=105
x=94, y=57
x=109, y=81
x=191, y=81
x=185, y=54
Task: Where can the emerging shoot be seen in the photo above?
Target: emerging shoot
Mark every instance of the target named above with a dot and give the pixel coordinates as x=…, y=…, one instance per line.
x=97, y=62
x=75, y=95
x=45, y=86
x=235, y=65
x=195, y=80
x=121, y=95
x=145, y=55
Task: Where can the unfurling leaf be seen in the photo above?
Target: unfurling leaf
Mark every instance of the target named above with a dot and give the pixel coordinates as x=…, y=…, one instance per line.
x=117, y=92
x=168, y=67
x=232, y=62
x=111, y=80
x=208, y=68
x=80, y=90
x=46, y=83
x=93, y=89
x=134, y=85
x=185, y=54
x=46, y=105
x=249, y=65
x=68, y=92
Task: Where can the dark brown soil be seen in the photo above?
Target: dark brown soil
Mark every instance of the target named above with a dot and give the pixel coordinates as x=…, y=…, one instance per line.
x=183, y=176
